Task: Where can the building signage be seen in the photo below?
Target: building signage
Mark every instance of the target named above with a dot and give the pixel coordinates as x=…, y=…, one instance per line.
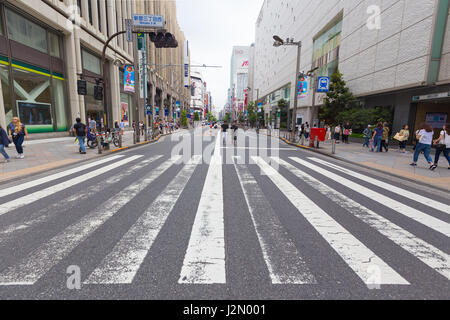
x=302, y=87
x=148, y=21
x=432, y=96
x=323, y=84
x=436, y=120
x=129, y=78
x=129, y=26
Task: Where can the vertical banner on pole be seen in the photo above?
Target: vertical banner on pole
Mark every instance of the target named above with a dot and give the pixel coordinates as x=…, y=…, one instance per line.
x=186, y=64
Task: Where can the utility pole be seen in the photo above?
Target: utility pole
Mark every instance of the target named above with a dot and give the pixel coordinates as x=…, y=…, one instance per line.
x=294, y=116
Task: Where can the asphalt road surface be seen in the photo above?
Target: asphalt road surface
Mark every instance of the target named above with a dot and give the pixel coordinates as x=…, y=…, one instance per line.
x=260, y=220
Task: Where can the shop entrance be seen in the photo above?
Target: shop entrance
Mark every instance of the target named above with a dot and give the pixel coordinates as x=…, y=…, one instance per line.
x=436, y=113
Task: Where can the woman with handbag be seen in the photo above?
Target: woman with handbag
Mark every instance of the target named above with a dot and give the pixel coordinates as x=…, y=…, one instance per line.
x=402, y=137
x=442, y=146
x=347, y=132
x=18, y=132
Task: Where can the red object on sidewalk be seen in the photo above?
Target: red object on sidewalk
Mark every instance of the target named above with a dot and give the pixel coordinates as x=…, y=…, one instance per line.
x=317, y=132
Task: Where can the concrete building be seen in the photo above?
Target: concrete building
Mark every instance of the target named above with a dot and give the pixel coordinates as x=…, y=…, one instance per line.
x=239, y=79
x=391, y=53
x=198, y=93
x=46, y=46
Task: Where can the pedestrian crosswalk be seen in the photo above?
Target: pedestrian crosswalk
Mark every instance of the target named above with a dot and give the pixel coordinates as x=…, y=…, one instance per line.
x=414, y=223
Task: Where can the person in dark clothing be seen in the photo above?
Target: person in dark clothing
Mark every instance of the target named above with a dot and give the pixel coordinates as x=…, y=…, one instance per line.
x=80, y=131
x=224, y=128
x=4, y=143
x=234, y=129
x=346, y=133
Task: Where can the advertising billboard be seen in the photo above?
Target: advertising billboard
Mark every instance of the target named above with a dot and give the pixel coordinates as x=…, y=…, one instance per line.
x=128, y=81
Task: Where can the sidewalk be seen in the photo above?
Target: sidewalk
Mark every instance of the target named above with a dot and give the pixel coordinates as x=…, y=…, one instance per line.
x=46, y=154
x=392, y=162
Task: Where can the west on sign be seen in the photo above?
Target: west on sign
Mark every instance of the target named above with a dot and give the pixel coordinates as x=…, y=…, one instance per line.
x=148, y=20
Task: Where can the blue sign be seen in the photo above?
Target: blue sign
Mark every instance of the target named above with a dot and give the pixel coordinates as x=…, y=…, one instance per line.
x=259, y=106
x=188, y=116
x=166, y=112
x=149, y=110
x=323, y=84
x=157, y=110
x=148, y=20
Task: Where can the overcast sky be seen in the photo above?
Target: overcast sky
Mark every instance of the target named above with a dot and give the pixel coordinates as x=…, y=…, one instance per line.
x=213, y=27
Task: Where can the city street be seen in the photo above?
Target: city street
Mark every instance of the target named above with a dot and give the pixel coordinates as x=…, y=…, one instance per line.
x=260, y=220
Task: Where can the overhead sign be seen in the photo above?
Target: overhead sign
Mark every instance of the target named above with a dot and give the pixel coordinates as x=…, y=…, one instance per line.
x=148, y=21
x=323, y=84
x=432, y=96
x=129, y=26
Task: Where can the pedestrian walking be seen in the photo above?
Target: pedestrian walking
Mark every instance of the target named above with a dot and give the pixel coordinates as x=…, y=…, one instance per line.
x=92, y=125
x=328, y=134
x=378, y=136
x=425, y=138
x=18, y=132
x=337, y=133
x=346, y=132
x=80, y=130
x=224, y=129
x=4, y=143
x=442, y=146
x=141, y=127
x=307, y=130
x=234, y=129
x=367, y=135
x=385, y=138
x=402, y=137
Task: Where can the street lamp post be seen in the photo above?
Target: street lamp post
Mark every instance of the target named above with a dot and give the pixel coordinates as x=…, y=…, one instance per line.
x=290, y=42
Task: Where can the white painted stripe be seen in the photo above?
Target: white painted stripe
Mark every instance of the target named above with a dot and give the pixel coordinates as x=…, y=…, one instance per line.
x=358, y=257
x=38, y=195
x=402, y=192
x=282, y=258
x=204, y=262
x=62, y=207
x=21, y=187
x=428, y=254
x=123, y=262
x=41, y=260
x=419, y=216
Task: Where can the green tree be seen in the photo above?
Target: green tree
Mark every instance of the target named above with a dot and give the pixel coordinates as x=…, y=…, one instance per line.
x=252, y=114
x=196, y=116
x=227, y=117
x=338, y=99
x=283, y=105
x=184, y=122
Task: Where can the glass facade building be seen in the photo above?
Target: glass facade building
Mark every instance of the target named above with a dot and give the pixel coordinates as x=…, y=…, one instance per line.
x=32, y=76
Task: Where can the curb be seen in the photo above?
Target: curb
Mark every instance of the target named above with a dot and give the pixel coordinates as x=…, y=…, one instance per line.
x=104, y=154
x=363, y=166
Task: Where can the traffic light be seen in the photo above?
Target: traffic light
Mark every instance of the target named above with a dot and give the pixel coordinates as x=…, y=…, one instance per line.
x=82, y=87
x=163, y=39
x=98, y=93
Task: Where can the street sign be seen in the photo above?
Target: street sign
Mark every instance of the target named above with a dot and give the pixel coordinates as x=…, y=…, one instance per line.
x=149, y=110
x=129, y=26
x=166, y=112
x=148, y=21
x=323, y=84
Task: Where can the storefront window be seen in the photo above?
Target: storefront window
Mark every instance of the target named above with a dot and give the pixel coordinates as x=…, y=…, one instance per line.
x=91, y=63
x=33, y=99
x=54, y=45
x=25, y=31
x=4, y=75
x=59, y=98
x=94, y=108
x=126, y=108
